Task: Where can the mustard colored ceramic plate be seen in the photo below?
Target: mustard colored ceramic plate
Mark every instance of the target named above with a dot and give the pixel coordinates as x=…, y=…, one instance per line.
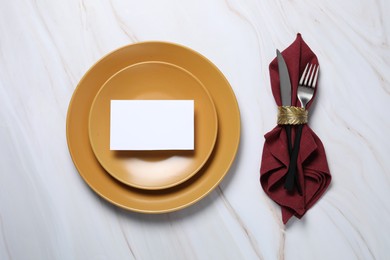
x=153, y=169
x=176, y=197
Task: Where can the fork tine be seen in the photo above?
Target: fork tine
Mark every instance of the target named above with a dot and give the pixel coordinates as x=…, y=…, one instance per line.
x=315, y=77
x=303, y=75
x=312, y=72
x=308, y=74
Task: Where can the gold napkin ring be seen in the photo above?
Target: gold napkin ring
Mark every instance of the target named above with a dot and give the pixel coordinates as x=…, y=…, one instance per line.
x=289, y=115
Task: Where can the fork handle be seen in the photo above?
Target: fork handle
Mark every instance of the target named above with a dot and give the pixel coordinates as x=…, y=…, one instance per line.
x=291, y=178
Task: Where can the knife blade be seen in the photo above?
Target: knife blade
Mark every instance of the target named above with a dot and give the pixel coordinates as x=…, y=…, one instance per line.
x=284, y=78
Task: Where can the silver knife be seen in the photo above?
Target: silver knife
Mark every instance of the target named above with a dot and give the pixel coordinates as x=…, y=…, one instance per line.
x=285, y=94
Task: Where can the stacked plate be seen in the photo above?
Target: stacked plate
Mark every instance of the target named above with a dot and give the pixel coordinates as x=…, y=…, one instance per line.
x=153, y=181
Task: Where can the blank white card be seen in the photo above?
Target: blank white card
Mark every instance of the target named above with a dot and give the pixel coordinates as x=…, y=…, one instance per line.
x=152, y=125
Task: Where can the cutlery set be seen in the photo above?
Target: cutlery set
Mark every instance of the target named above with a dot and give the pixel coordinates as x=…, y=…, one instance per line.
x=305, y=93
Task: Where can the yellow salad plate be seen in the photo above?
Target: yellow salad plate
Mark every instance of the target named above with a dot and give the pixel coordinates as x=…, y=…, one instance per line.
x=162, y=168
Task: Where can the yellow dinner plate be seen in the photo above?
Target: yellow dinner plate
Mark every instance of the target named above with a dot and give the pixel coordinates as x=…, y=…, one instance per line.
x=176, y=197
x=153, y=169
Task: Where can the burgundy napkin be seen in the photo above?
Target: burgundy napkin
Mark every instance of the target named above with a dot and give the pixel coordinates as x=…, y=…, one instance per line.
x=312, y=167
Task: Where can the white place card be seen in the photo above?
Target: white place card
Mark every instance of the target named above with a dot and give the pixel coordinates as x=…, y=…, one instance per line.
x=152, y=125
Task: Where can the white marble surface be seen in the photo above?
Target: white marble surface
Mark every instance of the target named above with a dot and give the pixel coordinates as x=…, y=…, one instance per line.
x=48, y=212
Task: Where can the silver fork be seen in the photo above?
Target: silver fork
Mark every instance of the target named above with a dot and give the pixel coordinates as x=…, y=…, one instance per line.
x=305, y=93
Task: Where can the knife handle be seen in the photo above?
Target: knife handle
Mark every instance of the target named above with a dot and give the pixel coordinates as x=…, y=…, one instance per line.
x=289, y=144
x=291, y=177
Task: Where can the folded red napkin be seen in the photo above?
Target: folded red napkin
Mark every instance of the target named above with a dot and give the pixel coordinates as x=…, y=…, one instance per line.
x=312, y=167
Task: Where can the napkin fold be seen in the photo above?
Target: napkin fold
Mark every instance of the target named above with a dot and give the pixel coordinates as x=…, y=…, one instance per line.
x=312, y=167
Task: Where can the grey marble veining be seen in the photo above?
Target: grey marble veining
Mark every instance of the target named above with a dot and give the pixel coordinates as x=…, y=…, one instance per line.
x=48, y=212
